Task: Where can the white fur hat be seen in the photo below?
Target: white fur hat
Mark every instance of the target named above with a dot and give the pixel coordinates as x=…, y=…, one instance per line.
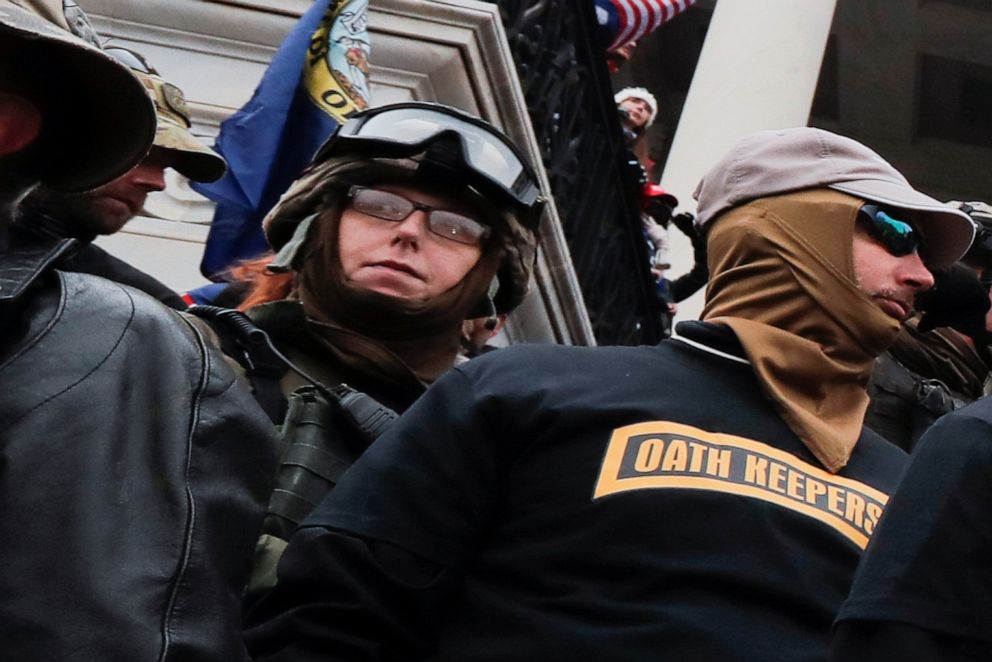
x=642, y=94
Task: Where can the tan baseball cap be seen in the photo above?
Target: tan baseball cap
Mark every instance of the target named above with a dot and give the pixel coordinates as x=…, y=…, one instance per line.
x=191, y=158
x=98, y=120
x=778, y=161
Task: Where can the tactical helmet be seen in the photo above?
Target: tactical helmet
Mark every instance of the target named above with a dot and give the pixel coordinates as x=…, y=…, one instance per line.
x=434, y=145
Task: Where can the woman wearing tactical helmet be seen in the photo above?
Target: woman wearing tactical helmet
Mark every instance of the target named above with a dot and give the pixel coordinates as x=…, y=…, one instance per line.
x=411, y=219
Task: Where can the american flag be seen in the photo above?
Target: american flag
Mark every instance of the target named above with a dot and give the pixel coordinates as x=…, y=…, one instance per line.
x=629, y=20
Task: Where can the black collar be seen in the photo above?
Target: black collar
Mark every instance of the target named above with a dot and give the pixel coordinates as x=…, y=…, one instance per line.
x=716, y=338
x=26, y=259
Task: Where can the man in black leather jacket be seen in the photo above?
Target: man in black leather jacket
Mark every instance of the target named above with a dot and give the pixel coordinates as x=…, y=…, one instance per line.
x=132, y=468
x=107, y=209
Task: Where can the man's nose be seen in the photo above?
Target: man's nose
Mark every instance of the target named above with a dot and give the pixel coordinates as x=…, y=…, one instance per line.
x=149, y=176
x=915, y=274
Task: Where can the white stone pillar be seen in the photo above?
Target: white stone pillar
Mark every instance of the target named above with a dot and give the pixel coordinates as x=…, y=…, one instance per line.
x=758, y=70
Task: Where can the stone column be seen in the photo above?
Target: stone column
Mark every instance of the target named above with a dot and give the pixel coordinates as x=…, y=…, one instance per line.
x=758, y=70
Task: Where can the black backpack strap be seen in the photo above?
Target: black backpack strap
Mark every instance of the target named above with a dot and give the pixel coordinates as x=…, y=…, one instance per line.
x=251, y=347
x=266, y=365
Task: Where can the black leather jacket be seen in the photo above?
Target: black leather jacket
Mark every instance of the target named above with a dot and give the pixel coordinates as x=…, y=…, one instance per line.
x=87, y=258
x=134, y=472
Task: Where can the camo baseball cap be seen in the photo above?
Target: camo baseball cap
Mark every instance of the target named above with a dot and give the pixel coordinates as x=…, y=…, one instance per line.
x=191, y=158
x=99, y=121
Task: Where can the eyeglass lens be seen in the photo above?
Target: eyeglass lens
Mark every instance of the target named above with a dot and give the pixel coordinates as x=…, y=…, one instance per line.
x=393, y=207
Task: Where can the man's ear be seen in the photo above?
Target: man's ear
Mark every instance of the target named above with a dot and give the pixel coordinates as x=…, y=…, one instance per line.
x=20, y=123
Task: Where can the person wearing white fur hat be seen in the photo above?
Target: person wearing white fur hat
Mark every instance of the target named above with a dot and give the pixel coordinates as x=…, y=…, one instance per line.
x=638, y=109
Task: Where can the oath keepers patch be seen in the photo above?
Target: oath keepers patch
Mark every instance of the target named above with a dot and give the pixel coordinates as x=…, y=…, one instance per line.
x=665, y=455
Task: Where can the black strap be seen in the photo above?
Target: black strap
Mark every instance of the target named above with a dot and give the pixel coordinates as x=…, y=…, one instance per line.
x=265, y=366
x=317, y=459
x=250, y=346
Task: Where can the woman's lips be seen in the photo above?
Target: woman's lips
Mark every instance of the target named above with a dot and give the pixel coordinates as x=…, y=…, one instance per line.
x=398, y=266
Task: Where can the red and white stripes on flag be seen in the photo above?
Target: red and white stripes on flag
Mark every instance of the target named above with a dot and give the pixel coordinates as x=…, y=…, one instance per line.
x=637, y=18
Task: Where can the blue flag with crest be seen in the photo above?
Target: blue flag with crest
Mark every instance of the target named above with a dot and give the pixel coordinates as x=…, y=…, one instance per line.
x=316, y=79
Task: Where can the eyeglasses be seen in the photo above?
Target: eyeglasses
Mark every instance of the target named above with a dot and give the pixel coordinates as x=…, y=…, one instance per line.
x=482, y=153
x=899, y=237
x=393, y=207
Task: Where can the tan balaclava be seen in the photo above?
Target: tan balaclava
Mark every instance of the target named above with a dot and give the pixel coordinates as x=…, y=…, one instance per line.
x=783, y=279
x=782, y=205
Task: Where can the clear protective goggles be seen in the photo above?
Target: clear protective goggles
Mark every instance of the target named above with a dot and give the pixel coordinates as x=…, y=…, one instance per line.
x=409, y=128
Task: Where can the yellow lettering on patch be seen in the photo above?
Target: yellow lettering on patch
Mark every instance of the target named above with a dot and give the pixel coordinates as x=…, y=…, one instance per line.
x=698, y=452
x=854, y=511
x=793, y=485
x=667, y=455
x=676, y=456
x=718, y=463
x=755, y=469
x=814, y=489
x=872, y=512
x=776, y=477
x=834, y=499
x=649, y=455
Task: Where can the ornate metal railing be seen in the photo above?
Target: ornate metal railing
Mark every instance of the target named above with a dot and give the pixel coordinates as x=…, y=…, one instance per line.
x=563, y=73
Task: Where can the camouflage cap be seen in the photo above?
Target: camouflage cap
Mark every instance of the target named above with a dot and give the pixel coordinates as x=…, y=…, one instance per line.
x=191, y=158
x=108, y=126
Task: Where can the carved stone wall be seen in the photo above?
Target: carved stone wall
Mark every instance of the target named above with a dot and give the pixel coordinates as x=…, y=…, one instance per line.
x=454, y=51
